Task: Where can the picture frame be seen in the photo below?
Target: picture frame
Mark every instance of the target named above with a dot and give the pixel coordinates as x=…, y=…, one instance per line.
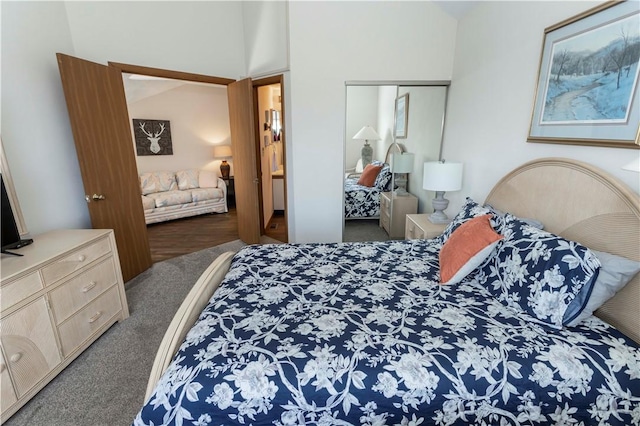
x=587, y=88
x=401, y=115
x=152, y=137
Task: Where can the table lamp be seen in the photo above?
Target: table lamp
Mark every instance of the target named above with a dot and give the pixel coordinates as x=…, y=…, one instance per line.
x=441, y=177
x=224, y=152
x=401, y=164
x=367, y=133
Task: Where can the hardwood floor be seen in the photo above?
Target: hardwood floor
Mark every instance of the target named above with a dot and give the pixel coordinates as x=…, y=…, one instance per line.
x=182, y=236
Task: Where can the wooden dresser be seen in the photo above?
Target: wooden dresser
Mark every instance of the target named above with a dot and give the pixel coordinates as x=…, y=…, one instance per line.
x=393, y=210
x=55, y=300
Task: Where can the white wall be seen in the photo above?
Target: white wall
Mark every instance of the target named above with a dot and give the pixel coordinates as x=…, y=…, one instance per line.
x=199, y=119
x=362, y=110
x=266, y=36
x=199, y=37
x=35, y=126
x=331, y=43
x=496, y=67
x=204, y=37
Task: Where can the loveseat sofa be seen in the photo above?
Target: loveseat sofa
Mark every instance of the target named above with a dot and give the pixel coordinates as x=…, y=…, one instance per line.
x=172, y=195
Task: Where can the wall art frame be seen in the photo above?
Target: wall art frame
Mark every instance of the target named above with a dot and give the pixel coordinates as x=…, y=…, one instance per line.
x=152, y=137
x=587, y=88
x=401, y=117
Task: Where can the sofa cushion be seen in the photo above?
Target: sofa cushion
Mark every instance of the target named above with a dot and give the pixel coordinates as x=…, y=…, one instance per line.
x=148, y=203
x=187, y=179
x=202, y=194
x=151, y=182
x=171, y=198
x=207, y=179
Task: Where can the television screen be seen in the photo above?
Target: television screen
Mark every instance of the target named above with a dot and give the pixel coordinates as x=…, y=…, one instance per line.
x=10, y=234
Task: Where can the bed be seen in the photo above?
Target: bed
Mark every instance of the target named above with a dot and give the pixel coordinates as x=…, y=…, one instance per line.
x=364, y=333
x=363, y=202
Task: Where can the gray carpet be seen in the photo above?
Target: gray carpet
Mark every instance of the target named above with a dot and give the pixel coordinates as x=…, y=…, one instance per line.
x=364, y=230
x=105, y=385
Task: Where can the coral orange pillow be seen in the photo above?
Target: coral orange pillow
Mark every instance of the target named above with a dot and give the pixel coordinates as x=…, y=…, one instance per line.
x=467, y=247
x=369, y=175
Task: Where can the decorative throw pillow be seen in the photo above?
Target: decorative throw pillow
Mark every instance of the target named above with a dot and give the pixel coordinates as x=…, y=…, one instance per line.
x=207, y=179
x=369, y=174
x=529, y=221
x=469, y=210
x=615, y=272
x=149, y=183
x=469, y=245
x=383, y=180
x=187, y=179
x=537, y=272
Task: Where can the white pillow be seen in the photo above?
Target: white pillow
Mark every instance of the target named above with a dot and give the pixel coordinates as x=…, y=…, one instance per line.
x=615, y=272
x=208, y=179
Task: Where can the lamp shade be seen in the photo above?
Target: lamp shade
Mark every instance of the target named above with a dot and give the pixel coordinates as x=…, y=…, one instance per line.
x=402, y=163
x=442, y=177
x=222, y=151
x=367, y=133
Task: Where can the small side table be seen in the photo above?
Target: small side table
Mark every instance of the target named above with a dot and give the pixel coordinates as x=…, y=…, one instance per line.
x=231, y=191
x=418, y=226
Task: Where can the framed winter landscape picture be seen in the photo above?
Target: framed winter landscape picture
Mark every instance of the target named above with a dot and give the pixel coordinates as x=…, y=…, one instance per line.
x=587, y=91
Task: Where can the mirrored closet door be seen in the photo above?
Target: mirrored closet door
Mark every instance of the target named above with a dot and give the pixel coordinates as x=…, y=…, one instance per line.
x=385, y=120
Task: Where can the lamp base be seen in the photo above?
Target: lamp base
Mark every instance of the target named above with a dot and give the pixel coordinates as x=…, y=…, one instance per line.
x=225, y=168
x=439, y=205
x=401, y=190
x=367, y=154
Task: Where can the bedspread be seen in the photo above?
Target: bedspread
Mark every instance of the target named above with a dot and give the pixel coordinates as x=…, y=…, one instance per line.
x=360, y=201
x=363, y=334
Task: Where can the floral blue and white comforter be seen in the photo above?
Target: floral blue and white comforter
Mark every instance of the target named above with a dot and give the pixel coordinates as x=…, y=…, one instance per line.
x=360, y=201
x=362, y=334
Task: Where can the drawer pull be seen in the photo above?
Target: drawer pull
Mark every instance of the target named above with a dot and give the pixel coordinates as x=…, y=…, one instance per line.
x=89, y=286
x=15, y=357
x=95, y=317
x=82, y=258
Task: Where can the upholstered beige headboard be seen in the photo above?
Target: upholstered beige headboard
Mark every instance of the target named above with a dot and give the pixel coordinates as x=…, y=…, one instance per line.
x=584, y=204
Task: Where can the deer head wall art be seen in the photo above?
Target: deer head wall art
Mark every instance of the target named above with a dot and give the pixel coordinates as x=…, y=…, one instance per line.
x=153, y=137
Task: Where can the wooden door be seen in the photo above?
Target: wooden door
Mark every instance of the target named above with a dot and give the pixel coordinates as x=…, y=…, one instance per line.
x=100, y=124
x=243, y=144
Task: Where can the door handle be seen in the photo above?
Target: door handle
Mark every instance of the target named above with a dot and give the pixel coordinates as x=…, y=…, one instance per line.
x=97, y=197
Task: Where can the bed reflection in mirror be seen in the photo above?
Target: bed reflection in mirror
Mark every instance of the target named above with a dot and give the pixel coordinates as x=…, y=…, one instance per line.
x=416, y=129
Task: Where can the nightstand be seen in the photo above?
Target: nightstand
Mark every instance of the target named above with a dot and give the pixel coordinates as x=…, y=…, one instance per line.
x=393, y=210
x=418, y=226
x=231, y=191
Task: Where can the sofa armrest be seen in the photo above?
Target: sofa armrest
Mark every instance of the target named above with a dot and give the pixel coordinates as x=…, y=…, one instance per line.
x=222, y=184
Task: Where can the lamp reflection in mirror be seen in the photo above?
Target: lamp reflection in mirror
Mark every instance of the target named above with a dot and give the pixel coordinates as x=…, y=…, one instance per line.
x=367, y=133
x=224, y=152
x=401, y=165
x=441, y=177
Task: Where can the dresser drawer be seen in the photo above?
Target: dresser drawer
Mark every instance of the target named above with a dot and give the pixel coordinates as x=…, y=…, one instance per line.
x=384, y=221
x=7, y=394
x=77, y=329
x=29, y=344
x=20, y=289
x=73, y=295
x=385, y=205
x=413, y=231
x=78, y=259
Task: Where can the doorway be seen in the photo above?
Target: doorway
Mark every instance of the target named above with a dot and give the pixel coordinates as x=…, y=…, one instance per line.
x=270, y=148
x=111, y=173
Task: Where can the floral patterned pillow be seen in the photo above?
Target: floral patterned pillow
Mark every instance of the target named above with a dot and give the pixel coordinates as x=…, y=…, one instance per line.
x=384, y=178
x=537, y=272
x=470, y=209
